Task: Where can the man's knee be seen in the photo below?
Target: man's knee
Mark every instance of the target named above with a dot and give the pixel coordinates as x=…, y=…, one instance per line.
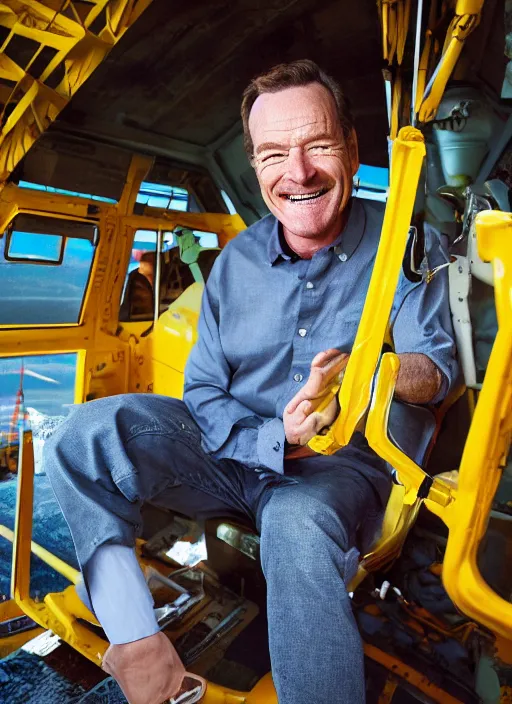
x=121, y=415
x=304, y=537
x=89, y=430
x=108, y=444
x=295, y=522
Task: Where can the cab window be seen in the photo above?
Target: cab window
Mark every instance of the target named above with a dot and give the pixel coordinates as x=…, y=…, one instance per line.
x=45, y=264
x=176, y=272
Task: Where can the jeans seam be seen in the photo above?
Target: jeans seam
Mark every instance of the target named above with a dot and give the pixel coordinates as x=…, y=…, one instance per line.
x=158, y=430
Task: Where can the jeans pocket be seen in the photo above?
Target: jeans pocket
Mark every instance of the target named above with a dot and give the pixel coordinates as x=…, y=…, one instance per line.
x=135, y=488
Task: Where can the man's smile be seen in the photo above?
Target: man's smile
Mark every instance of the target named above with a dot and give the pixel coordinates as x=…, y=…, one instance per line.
x=304, y=197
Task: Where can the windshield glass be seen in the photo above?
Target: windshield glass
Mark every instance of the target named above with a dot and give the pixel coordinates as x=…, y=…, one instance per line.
x=44, y=275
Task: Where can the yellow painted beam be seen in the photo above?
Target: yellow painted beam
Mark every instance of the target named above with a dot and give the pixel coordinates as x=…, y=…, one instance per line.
x=354, y=395
x=20, y=574
x=33, y=104
x=466, y=20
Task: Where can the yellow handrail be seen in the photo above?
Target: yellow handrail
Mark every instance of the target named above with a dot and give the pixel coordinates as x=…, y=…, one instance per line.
x=354, y=395
x=55, y=613
x=486, y=446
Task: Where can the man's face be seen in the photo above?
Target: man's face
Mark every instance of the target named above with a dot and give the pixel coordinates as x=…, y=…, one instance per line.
x=303, y=163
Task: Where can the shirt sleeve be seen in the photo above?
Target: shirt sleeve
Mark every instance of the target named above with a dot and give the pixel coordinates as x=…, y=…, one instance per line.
x=421, y=320
x=229, y=429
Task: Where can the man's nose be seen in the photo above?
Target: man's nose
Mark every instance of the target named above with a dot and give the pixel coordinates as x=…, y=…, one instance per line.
x=300, y=167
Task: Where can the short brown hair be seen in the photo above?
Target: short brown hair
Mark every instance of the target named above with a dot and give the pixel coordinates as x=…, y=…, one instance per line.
x=296, y=73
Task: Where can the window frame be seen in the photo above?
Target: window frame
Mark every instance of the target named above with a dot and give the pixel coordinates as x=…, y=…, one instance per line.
x=95, y=242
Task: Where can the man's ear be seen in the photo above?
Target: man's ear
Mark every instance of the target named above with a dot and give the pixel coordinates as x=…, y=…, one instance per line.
x=353, y=151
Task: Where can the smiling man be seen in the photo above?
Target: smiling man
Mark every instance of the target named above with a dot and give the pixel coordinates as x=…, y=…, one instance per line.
x=279, y=317
x=305, y=159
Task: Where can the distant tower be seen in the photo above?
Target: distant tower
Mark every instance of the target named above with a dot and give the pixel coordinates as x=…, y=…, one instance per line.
x=18, y=412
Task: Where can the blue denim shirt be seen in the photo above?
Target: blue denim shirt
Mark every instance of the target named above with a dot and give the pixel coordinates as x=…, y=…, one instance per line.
x=266, y=314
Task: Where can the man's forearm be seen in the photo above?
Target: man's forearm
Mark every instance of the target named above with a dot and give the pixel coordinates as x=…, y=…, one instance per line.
x=419, y=380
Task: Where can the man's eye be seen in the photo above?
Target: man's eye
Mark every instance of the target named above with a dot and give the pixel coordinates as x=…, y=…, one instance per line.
x=273, y=157
x=320, y=148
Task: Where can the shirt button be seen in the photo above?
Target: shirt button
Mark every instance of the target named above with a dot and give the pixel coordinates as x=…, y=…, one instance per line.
x=343, y=257
x=310, y=284
x=298, y=377
x=303, y=332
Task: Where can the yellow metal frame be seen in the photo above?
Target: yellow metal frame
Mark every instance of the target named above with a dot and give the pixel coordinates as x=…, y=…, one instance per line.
x=466, y=509
x=355, y=391
x=395, y=17
x=99, y=315
x=486, y=447
x=466, y=20
x=79, y=50
x=54, y=612
x=415, y=484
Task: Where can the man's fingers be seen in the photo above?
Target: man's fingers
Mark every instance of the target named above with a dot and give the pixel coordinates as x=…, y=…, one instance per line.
x=301, y=407
x=303, y=410
x=311, y=427
x=302, y=425
x=320, y=377
x=335, y=365
x=312, y=386
x=298, y=422
x=299, y=433
x=325, y=357
x=291, y=406
x=300, y=397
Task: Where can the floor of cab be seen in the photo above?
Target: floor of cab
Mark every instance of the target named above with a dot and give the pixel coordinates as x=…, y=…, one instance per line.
x=222, y=637
x=239, y=657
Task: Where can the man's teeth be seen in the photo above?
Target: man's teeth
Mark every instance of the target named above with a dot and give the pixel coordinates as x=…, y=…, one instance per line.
x=305, y=196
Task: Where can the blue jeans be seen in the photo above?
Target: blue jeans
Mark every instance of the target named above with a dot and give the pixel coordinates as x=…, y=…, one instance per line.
x=113, y=454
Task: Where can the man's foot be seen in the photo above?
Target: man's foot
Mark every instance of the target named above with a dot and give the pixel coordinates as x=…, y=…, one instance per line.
x=149, y=671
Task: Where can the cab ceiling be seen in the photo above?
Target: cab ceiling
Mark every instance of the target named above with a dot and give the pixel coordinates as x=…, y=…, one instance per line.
x=172, y=88
x=181, y=69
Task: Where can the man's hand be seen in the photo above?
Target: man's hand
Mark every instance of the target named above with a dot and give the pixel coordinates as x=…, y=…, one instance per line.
x=301, y=419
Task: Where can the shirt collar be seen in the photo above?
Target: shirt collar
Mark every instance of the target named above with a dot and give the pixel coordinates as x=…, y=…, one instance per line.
x=344, y=245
